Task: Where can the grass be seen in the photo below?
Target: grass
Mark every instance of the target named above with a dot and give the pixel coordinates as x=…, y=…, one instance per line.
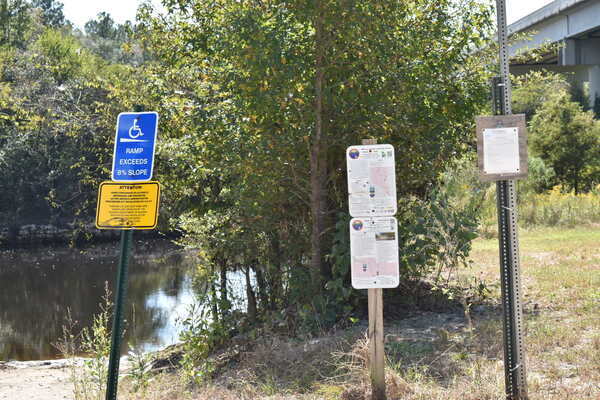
x=434, y=356
x=554, y=208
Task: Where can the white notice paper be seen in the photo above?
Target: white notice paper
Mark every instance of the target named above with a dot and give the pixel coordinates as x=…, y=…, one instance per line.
x=374, y=252
x=501, y=151
x=371, y=180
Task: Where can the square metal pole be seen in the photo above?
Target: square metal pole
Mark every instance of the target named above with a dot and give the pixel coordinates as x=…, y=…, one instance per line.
x=514, y=346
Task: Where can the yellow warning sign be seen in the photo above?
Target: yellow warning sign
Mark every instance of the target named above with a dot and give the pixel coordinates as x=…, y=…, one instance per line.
x=127, y=205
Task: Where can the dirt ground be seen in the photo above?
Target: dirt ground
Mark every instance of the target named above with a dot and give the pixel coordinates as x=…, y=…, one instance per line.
x=39, y=380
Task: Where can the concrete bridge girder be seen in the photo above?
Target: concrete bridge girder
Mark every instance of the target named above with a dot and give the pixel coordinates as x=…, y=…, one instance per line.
x=576, y=25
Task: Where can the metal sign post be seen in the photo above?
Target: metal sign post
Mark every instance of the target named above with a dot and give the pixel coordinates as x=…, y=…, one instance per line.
x=128, y=205
x=514, y=347
x=117, y=328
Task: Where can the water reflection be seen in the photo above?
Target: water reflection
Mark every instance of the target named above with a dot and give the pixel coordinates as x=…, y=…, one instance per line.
x=37, y=286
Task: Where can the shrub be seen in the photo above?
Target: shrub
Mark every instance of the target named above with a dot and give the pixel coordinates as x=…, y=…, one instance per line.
x=568, y=139
x=89, y=376
x=560, y=208
x=533, y=89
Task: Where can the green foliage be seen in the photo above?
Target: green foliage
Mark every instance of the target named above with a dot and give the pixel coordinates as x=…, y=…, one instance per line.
x=62, y=54
x=51, y=12
x=89, y=375
x=532, y=90
x=140, y=371
x=14, y=22
x=56, y=122
x=435, y=237
x=258, y=101
x=538, y=205
x=236, y=86
x=559, y=208
x=112, y=41
x=103, y=26
x=344, y=298
x=199, y=336
x=541, y=177
x=568, y=139
x=95, y=343
x=596, y=107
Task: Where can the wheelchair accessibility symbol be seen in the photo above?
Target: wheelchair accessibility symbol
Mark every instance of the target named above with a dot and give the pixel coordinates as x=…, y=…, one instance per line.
x=134, y=133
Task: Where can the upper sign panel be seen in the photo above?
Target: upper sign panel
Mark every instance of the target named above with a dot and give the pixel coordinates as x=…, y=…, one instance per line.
x=371, y=180
x=502, y=147
x=501, y=151
x=135, y=141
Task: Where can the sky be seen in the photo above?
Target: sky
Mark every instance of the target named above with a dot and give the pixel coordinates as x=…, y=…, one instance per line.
x=79, y=12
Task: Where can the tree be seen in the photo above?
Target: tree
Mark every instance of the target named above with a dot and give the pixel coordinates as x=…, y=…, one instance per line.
x=535, y=88
x=103, y=26
x=271, y=93
x=568, y=139
x=14, y=22
x=107, y=39
x=56, y=122
x=52, y=12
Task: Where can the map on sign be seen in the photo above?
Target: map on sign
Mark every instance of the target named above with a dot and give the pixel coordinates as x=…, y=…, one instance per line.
x=371, y=180
x=374, y=252
x=135, y=141
x=127, y=206
x=501, y=150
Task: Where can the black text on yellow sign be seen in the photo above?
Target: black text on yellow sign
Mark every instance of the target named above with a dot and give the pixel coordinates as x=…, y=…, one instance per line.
x=127, y=205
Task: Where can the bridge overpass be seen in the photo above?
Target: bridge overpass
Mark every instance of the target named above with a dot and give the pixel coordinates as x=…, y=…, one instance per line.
x=576, y=25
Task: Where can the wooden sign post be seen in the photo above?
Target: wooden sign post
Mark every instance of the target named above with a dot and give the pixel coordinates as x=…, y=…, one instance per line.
x=376, y=346
x=372, y=203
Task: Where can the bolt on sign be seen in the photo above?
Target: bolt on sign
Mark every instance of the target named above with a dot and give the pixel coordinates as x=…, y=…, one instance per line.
x=502, y=147
x=127, y=205
x=373, y=230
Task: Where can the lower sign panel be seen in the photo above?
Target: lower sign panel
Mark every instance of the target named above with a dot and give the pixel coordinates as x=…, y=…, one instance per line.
x=127, y=205
x=374, y=252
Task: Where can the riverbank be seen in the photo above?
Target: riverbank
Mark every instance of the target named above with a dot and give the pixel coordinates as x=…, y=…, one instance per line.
x=80, y=236
x=438, y=356
x=429, y=355
x=35, y=380
x=42, y=380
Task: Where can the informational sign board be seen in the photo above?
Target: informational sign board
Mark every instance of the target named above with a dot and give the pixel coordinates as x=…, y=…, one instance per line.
x=502, y=147
x=374, y=252
x=135, y=141
x=127, y=205
x=371, y=180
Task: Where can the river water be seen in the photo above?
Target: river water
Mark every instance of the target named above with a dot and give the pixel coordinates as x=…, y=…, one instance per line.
x=38, y=286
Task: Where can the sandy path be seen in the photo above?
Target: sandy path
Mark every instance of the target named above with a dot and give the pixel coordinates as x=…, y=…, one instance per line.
x=35, y=381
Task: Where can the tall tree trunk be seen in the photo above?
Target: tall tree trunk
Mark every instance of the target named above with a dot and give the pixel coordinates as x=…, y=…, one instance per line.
x=262, y=287
x=251, y=297
x=318, y=159
x=276, y=283
x=224, y=297
x=214, y=302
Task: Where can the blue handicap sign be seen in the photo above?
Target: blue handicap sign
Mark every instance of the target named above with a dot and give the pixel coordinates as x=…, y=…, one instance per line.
x=135, y=141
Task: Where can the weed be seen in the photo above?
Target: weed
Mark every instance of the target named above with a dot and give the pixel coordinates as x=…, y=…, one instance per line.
x=140, y=371
x=89, y=375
